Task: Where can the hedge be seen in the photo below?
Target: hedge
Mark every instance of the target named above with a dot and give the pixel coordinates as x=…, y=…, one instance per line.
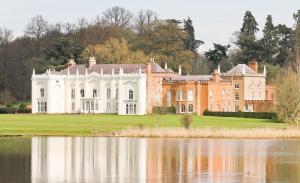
x=8, y=110
x=163, y=110
x=24, y=110
x=258, y=115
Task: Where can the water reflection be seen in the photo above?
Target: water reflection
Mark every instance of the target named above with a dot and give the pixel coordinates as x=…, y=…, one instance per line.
x=126, y=160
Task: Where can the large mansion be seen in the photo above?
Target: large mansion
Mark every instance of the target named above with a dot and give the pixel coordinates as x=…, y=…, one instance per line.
x=137, y=88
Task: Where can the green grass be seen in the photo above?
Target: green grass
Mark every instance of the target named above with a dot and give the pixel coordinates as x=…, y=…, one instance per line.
x=83, y=125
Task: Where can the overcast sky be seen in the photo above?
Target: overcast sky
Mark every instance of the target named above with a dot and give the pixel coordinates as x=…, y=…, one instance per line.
x=214, y=20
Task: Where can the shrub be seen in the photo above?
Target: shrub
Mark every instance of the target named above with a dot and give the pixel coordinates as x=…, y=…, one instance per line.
x=187, y=121
x=22, y=106
x=24, y=110
x=9, y=105
x=258, y=115
x=163, y=110
x=8, y=110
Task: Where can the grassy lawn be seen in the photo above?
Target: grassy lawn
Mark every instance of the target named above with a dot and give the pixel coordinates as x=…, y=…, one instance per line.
x=83, y=125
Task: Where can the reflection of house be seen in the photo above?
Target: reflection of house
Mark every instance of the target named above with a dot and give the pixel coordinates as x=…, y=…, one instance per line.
x=88, y=160
x=137, y=88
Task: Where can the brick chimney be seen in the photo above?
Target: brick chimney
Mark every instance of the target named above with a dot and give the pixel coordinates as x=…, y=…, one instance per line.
x=253, y=65
x=92, y=61
x=71, y=63
x=216, y=76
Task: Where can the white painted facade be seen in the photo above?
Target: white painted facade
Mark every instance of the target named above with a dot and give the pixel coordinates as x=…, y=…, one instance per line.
x=91, y=92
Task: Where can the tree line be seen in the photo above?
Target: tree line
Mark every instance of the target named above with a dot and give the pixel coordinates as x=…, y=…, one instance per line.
x=119, y=36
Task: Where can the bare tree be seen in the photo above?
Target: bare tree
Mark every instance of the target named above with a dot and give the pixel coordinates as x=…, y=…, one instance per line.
x=117, y=16
x=36, y=28
x=288, y=96
x=5, y=38
x=68, y=28
x=145, y=20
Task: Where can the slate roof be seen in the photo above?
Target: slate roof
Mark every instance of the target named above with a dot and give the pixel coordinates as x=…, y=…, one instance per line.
x=189, y=78
x=238, y=70
x=107, y=69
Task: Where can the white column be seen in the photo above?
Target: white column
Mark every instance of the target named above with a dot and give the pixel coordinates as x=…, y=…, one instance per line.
x=50, y=98
x=33, y=95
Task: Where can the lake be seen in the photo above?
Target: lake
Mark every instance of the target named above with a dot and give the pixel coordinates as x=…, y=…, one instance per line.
x=140, y=160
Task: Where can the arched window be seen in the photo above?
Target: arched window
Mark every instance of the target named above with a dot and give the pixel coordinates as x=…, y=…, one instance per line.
x=88, y=106
x=182, y=108
x=94, y=93
x=252, y=84
x=223, y=94
x=210, y=95
x=39, y=106
x=92, y=105
x=130, y=94
x=182, y=95
x=191, y=108
x=82, y=93
x=236, y=107
x=190, y=95
x=127, y=108
x=236, y=96
x=117, y=93
x=96, y=106
x=134, y=109
x=83, y=106
x=169, y=99
x=72, y=93
x=42, y=92
x=108, y=93
x=108, y=106
x=117, y=107
x=73, y=106
x=131, y=109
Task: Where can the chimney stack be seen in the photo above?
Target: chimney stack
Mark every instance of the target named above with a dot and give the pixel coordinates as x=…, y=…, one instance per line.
x=92, y=61
x=179, y=70
x=71, y=63
x=216, y=75
x=253, y=65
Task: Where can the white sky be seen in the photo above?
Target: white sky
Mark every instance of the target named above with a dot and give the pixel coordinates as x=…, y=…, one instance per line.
x=214, y=20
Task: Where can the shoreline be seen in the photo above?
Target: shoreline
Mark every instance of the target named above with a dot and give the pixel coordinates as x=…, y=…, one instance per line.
x=175, y=132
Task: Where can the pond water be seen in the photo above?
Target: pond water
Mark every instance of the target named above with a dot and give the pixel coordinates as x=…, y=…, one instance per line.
x=139, y=160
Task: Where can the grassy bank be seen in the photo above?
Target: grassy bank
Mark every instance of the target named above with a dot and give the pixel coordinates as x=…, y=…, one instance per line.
x=86, y=125
x=252, y=133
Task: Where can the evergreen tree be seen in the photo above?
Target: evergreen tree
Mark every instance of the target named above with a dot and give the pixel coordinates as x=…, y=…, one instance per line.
x=191, y=42
x=249, y=27
x=297, y=17
x=246, y=40
x=218, y=54
x=269, y=39
x=64, y=49
x=285, y=44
